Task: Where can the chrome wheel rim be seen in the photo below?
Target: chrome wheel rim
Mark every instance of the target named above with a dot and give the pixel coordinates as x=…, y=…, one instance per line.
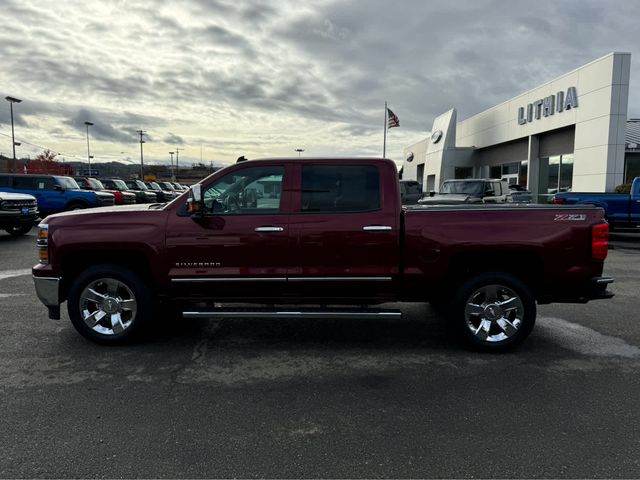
x=494, y=313
x=108, y=306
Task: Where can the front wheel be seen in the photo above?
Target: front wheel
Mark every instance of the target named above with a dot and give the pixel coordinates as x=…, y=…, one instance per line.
x=18, y=230
x=494, y=312
x=109, y=304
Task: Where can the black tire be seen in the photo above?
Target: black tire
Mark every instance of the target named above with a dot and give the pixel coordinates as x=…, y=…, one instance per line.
x=473, y=293
x=19, y=230
x=131, y=286
x=75, y=206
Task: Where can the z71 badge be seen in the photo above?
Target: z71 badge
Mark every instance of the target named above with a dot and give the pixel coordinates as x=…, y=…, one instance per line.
x=570, y=217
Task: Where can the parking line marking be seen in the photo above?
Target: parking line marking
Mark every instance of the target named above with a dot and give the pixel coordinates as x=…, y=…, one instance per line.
x=584, y=340
x=14, y=273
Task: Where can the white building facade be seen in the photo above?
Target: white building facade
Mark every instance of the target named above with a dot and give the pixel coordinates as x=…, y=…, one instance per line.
x=568, y=134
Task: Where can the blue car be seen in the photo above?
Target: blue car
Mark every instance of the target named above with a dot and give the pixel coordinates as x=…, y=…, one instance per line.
x=54, y=193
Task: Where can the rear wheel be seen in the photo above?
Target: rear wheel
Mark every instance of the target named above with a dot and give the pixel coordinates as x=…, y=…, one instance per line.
x=494, y=312
x=18, y=230
x=109, y=304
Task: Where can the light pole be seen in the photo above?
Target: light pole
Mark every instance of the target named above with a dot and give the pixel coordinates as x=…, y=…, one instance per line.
x=299, y=150
x=11, y=101
x=88, y=124
x=173, y=172
x=141, y=133
x=177, y=164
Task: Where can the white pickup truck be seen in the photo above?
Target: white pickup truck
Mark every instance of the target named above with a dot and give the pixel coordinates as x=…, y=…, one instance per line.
x=18, y=212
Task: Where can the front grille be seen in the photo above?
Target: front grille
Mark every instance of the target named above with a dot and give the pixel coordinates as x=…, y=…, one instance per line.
x=129, y=199
x=18, y=205
x=106, y=201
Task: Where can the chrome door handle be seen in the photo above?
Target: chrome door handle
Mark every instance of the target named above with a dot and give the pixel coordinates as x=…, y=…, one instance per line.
x=377, y=228
x=269, y=229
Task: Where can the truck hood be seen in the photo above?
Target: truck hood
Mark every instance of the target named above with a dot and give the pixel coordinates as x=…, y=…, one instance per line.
x=15, y=196
x=112, y=213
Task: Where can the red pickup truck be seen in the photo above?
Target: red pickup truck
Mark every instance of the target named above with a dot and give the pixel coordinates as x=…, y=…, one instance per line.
x=317, y=238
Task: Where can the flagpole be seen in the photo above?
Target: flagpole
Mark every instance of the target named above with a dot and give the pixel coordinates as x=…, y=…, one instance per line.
x=384, y=144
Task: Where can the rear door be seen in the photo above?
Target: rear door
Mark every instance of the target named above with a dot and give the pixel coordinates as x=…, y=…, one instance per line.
x=345, y=231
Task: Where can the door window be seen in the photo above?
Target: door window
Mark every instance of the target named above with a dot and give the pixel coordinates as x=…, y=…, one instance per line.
x=249, y=191
x=335, y=188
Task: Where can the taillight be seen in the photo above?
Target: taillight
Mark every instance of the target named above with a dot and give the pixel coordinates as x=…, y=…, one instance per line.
x=43, y=243
x=600, y=241
x=558, y=200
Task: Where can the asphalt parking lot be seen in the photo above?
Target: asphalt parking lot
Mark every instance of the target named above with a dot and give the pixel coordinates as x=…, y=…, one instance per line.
x=251, y=398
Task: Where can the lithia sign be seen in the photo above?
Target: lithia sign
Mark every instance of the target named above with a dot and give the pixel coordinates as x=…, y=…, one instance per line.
x=548, y=105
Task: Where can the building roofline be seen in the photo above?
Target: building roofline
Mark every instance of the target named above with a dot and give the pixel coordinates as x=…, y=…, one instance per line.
x=545, y=84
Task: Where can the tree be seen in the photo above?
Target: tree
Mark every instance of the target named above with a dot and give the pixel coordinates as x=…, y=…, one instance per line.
x=46, y=156
x=45, y=162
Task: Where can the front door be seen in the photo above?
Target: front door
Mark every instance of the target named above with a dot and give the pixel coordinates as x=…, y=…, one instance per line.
x=239, y=247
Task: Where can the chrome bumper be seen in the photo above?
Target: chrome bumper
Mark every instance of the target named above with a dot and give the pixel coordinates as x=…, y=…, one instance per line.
x=48, y=291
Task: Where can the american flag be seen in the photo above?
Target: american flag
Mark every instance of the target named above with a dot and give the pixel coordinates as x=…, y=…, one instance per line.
x=392, y=119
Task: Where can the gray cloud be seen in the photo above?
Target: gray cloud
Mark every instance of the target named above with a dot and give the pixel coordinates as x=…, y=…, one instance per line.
x=178, y=69
x=173, y=139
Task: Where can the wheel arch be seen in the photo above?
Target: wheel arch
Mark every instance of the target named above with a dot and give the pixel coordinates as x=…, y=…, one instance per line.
x=75, y=262
x=526, y=265
x=76, y=201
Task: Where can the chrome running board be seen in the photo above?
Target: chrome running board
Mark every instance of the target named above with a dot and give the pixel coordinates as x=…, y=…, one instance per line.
x=267, y=313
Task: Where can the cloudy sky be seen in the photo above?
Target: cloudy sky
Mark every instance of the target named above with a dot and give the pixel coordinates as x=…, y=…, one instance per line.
x=257, y=78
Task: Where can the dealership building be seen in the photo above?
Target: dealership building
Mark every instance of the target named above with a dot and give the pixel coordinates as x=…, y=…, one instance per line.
x=571, y=133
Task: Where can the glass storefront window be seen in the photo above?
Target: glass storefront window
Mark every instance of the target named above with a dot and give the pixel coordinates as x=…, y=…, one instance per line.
x=556, y=175
x=523, y=174
x=495, y=171
x=632, y=167
x=566, y=173
x=462, y=172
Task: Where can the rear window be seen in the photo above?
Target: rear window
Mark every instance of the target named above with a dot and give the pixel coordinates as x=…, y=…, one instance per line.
x=5, y=181
x=24, y=183
x=335, y=188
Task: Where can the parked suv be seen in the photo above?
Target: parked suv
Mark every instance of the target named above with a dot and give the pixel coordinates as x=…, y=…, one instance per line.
x=122, y=195
x=410, y=192
x=470, y=190
x=163, y=194
x=18, y=212
x=143, y=194
x=54, y=193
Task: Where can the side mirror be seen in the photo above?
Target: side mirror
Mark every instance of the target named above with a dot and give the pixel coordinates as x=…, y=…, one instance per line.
x=432, y=193
x=195, y=204
x=58, y=188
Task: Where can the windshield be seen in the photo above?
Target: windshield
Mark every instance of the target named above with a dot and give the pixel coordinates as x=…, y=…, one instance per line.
x=463, y=187
x=67, y=183
x=120, y=185
x=95, y=184
x=136, y=185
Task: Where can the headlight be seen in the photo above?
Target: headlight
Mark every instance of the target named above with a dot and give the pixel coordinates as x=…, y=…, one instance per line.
x=43, y=243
